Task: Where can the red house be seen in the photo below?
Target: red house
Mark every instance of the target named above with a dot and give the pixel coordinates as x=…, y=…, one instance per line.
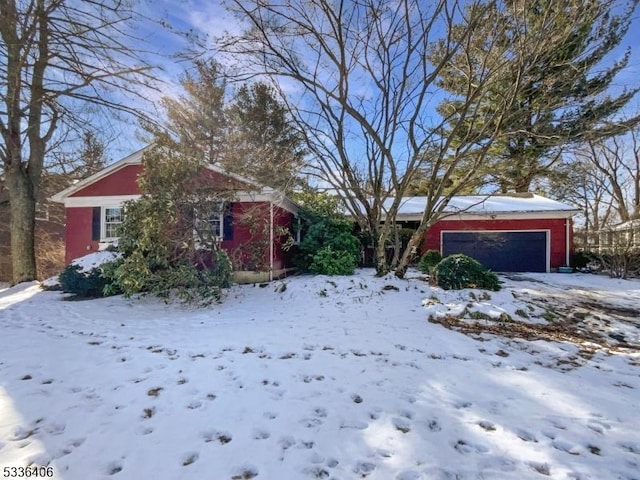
x=519, y=232
x=93, y=208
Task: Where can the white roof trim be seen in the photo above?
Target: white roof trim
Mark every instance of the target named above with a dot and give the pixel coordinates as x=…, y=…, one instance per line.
x=98, y=201
x=269, y=195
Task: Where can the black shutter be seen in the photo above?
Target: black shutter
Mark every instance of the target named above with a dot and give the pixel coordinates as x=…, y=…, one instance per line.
x=95, y=224
x=227, y=228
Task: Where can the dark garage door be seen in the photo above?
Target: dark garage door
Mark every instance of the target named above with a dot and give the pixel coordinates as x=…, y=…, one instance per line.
x=500, y=251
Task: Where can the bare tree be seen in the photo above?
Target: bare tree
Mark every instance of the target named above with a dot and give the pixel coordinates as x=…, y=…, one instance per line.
x=579, y=182
x=362, y=81
x=619, y=160
x=55, y=56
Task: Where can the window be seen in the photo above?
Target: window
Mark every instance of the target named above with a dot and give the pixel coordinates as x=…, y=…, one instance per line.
x=215, y=226
x=42, y=211
x=113, y=217
x=210, y=228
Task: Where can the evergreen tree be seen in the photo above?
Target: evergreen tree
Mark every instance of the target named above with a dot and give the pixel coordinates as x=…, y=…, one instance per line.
x=554, y=52
x=197, y=117
x=248, y=134
x=262, y=142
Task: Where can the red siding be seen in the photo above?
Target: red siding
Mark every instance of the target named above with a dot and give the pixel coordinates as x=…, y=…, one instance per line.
x=78, y=233
x=125, y=182
x=556, y=227
x=120, y=182
x=284, y=219
x=249, y=248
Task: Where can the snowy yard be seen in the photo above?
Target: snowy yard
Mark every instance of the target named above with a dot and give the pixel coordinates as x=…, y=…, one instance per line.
x=317, y=377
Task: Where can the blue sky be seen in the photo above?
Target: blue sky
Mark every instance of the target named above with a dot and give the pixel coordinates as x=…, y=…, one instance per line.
x=209, y=18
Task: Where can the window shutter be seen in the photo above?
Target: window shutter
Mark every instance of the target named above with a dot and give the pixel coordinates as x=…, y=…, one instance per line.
x=227, y=228
x=95, y=224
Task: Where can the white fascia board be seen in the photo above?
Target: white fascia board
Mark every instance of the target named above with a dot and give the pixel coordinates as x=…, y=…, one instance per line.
x=242, y=197
x=133, y=159
x=537, y=215
x=268, y=195
x=98, y=201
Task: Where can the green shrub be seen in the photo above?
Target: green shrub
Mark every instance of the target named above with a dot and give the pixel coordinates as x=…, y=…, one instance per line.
x=461, y=271
x=328, y=261
x=429, y=260
x=161, y=254
x=184, y=279
x=328, y=233
x=98, y=282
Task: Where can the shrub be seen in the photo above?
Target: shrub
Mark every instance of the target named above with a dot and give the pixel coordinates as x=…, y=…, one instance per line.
x=429, y=260
x=100, y=281
x=328, y=261
x=332, y=234
x=581, y=259
x=461, y=271
x=184, y=279
x=161, y=254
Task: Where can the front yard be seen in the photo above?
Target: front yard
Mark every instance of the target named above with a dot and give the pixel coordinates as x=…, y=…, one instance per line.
x=318, y=377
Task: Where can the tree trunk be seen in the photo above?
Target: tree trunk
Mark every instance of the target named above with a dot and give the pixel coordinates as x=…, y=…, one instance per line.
x=23, y=220
x=412, y=246
x=382, y=268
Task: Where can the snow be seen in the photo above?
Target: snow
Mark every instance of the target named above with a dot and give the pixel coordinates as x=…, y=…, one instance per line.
x=315, y=377
x=487, y=204
x=95, y=259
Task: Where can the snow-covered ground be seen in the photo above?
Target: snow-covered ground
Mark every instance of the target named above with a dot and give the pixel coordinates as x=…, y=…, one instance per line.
x=317, y=377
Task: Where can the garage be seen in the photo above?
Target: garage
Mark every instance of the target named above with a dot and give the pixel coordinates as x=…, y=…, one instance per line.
x=501, y=251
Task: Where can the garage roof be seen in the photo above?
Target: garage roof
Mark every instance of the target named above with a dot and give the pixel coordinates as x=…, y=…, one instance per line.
x=488, y=204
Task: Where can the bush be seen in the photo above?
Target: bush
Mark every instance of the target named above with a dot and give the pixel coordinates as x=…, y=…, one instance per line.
x=328, y=235
x=581, y=259
x=461, y=271
x=429, y=260
x=328, y=261
x=184, y=279
x=161, y=255
x=98, y=282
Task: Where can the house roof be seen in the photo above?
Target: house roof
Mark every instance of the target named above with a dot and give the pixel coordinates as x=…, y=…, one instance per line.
x=487, y=205
x=263, y=193
x=136, y=159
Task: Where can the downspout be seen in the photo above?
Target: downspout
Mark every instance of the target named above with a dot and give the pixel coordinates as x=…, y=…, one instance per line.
x=568, y=242
x=271, y=241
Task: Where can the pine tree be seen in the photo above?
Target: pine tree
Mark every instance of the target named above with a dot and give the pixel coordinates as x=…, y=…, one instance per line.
x=553, y=51
x=262, y=141
x=197, y=117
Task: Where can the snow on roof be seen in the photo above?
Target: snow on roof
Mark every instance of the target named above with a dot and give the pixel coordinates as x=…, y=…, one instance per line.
x=487, y=204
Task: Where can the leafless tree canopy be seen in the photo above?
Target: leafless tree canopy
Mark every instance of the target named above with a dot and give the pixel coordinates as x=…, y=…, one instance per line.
x=362, y=79
x=55, y=57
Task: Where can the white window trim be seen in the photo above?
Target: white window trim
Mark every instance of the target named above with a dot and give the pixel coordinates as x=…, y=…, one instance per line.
x=103, y=224
x=42, y=211
x=218, y=238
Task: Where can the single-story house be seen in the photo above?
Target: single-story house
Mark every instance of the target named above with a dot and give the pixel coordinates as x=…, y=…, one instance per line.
x=94, y=210
x=519, y=232
x=507, y=233
x=621, y=237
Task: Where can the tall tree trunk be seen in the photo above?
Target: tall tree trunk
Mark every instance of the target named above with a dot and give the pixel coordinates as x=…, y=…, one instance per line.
x=23, y=219
x=382, y=267
x=412, y=246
